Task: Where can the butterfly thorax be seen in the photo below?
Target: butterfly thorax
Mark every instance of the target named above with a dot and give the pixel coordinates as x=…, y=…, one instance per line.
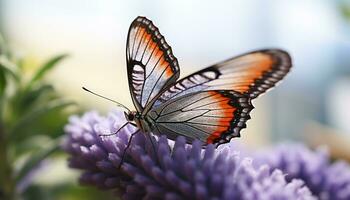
x=139, y=120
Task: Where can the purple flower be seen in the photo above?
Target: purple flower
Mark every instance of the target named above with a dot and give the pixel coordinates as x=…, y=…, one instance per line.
x=324, y=179
x=165, y=171
x=337, y=184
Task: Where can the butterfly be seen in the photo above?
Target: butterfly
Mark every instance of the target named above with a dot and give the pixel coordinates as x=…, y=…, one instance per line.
x=211, y=105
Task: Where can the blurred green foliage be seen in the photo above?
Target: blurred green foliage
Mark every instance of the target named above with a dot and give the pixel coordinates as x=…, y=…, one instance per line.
x=344, y=8
x=29, y=108
x=32, y=117
x=67, y=192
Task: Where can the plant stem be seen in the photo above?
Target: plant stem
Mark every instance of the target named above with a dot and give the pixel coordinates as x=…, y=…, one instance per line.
x=7, y=185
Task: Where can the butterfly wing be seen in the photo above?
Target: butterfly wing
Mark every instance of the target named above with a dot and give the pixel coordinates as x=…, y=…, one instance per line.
x=209, y=116
x=151, y=66
x=251, y=74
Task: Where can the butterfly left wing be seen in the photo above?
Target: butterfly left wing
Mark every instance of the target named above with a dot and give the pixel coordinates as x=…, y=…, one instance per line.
x=151, y=64
x=250, y=74
x=209, y=116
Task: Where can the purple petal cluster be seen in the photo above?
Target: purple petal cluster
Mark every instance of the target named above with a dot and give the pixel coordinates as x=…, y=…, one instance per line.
x=159, y=170
x=326, y=180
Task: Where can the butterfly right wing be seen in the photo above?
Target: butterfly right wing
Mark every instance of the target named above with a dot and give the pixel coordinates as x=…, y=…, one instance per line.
x=250, y=74
x=209, y=116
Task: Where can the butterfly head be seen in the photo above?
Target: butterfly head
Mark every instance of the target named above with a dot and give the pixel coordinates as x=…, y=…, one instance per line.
x=131, y=116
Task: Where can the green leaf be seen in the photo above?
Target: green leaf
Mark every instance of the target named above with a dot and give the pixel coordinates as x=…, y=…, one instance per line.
x=3, y=47
x=2, y=83
x=28, y=98
x=45, y=68
x=35, y=159
x=2, y=41
x=9, y=67
x=28, y=118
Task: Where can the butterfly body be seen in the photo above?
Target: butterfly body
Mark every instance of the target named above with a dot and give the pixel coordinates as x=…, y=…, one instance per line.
x=211, y=105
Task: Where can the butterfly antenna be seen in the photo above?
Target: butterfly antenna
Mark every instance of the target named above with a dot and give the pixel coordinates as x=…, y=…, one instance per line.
x=119, y=104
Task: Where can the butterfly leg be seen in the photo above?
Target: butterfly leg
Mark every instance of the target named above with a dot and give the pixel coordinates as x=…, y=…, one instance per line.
x=110, y=134
x=127, y=147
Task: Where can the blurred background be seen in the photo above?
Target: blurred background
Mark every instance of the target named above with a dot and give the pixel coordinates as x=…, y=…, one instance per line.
x=310, y=105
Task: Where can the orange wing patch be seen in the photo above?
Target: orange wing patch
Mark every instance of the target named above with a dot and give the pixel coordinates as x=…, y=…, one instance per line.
x=230, y=114
x=252, y=73
x=241, y=81
x=224, y=117
x=225, y=109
